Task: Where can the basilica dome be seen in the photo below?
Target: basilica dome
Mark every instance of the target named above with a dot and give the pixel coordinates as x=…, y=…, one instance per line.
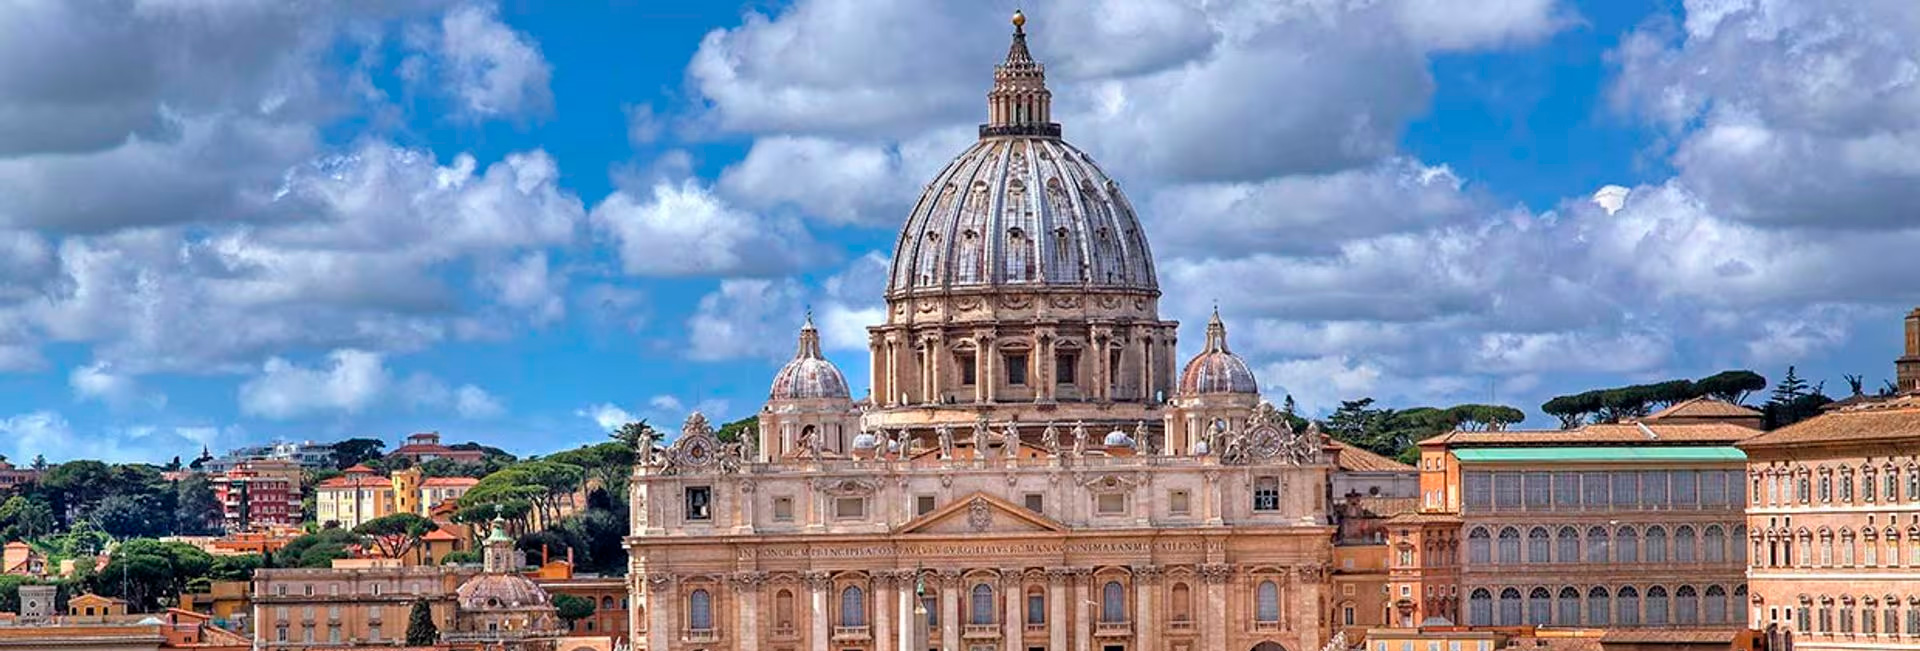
x=1217, y=370
x=1021, y=208
x=809, y=376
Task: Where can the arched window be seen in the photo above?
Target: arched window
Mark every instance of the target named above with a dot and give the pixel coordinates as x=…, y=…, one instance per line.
x=1113, y=602
x=1510, y=546
x=1597, y=545
x=1714, y=544
x=1569, y=545
x=982, y=606
x=1629, y=607
x=1716, y=605
x=1539, y=546
x=1658, y=607
x=1480, y=608
x=1539, y=607
x=1626, y=546
x=1567, y=612
x=1599, y=607
x=1479, y=546
x=1036, y=605
x=1740, y=551
x=1656, y=543
x=1267, y=603
x=700, y=611
x=1510, y=607
x=1683, y=542
x=783, y=609
x=1739, y=609
x=1182, y=602
x=853, y=606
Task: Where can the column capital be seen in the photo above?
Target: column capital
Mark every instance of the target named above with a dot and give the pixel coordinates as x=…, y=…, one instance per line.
x=947, y=578
x=659, y=581
x=747, y=581
x=817, y=581
x=1147, y=574
x=1216, y=573
x=1058, y=575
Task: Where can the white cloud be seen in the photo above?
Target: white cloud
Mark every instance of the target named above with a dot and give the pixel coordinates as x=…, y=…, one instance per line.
x=473, y=403
x=492, y=69
x=606, y=415
x=97, y=381
x=684, y=230
x=664, y=412
x=747, y=318
x=350, y=381
x=529, y=285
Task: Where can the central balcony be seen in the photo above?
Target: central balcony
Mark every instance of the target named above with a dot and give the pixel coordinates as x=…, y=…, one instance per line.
x=701, y=635
x=981, y=631
x=1113, y=629
x=850, y=633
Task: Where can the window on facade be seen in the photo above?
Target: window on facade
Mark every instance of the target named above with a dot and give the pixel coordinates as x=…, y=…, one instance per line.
x=1479, y=546
x=922, y=505
x=1569, y=543
x=1036, y=606
x=1539, y=607
x=1802, y=490
x=1893, y=484
x=1599, y=607
x=1653, y=489
x=1182, y=603
x=1477, y=490
x=1686, y=488
x=1538, y=490
x=1801, y=621
x=964, y=361
x=699, y=503
x=1510, y=607
x=1063, y=367
x=1594, y=491
x=1869, y=489
x=700, y=611
x=1266, y=600
x=1656, y=545
x=1566, y=490
x=1683, y=541
x=982, y=605
x=1113, y=602
x=850, y=508
x=1035, y=502
x=1714, y=608
x=783, y=509
x=1177, y=503
x=853, y=606
x=1016, y=369
x=1506, y=490
x=1826, y=486
x=1567, y=607
x=1110, y=503
x=1266, y=494
x=1657, y=606
x=1846, y=486
x=1713, y=488
x=931, y=604
x=1628, y=601
x=1539, y=546
x=1626, y=546
x=1509, y=548
x=783, y=609
x=1480, y=608
x=1626, y=490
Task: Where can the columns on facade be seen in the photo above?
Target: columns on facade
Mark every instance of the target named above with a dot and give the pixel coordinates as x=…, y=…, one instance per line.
x=1083, y=604
x=1146, y=368
x=818, y=634
x=1213, y=616
x=1046, y=364
x=746, y=600
x=661, y=603
x=950, y=611
x=884, y=584
x=911, y=638
x=1057, y=608
x=1146, y=602
x=1011, y=592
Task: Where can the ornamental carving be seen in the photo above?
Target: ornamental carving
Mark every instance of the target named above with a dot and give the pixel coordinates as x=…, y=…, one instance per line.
x=967, y=304
x=1148, y=574
x=659, y=582
x=1312, y=573
x=1111, y=483
x=847, y=487
x=1216, y=573
x=819, y=581
x=1059, y=574
x=1064, y=302
x=747, y=581
x=1016, y=302
x=1270, y=438
x=979, y=515
x=696, y=450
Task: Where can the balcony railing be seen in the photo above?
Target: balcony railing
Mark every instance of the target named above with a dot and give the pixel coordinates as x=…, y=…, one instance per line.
x=981, y=631
x=785, y=631
x=1266, y=626
x=850, y=633
x=701, y=635
x=1036, y=627
x=1180, y=626
x=1113, y=628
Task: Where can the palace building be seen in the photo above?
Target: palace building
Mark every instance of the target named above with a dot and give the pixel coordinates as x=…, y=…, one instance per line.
x=1034, y=469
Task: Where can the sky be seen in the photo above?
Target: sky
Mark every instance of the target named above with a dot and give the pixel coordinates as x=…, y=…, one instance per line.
x=229, y=221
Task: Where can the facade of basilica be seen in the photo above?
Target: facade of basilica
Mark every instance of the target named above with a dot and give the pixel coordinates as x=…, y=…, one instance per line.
x=1034, y=468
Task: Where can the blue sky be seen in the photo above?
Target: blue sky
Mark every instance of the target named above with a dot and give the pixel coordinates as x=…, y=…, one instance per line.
x=518, y=222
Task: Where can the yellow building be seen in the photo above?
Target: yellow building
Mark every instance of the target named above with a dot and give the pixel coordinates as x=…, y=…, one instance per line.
x=362, y=494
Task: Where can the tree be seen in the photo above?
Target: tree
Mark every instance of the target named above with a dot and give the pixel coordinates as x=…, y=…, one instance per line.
x=731, y=432
x=196, y=509
x=420, y=628
x=76, y=486
x=131, y=516
x=174, y=466
x=572, y=608
x=1793, y=400
x=1479, y=418
x=606, y=464
x=149, y=573
x=39, y=462
x=355, y=451
x=462, y=557
x=395, y=535
x=1288, y=406
x=1790, y=388
x=1573, y=410
x=236, y=568
x=639, y=436
x=317, y=549
x=23, y=517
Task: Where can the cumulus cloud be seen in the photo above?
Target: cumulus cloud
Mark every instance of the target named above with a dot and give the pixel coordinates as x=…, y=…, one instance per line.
x=351, y=382
x=490, y=68
x=98, y=381
x=683, y=229
x=760, y=318
x=664, y=412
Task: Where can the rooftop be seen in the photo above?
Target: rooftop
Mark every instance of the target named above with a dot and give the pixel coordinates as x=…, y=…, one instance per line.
x=1358, y=459
x=1641, y=433
x=1701, y=408
x=1891, y=420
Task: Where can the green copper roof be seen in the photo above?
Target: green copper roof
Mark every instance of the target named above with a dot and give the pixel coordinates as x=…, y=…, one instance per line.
x=1629, y=454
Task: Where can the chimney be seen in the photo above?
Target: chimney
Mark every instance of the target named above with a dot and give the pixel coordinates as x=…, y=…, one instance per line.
x=1906, y=370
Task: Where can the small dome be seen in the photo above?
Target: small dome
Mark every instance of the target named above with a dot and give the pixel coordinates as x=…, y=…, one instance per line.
x=500, y=592
x=1118, y=439
x=865, y=441
x=1201, y=448
x=1216, y=369
x=809, y=376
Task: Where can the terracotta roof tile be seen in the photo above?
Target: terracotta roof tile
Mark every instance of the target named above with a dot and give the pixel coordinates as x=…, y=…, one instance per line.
x=1896, y=419
x=443, y=482
x=1721, y=636
x=355, y=482
x=1704, y=407
x=1388, y=506
x=1355, y=458
x=1602, y=433
x=1421, y=518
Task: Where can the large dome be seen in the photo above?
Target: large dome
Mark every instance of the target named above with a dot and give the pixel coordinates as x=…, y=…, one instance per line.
x=809, y=376
x=1021, y=208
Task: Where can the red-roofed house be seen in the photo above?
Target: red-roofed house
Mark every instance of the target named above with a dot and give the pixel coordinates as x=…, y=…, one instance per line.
x=422, y=447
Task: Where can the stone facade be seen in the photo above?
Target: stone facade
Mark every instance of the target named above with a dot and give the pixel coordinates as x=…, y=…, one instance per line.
x=1835, y=528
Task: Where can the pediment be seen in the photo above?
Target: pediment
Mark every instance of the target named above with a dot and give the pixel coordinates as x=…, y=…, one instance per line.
x=981, y=513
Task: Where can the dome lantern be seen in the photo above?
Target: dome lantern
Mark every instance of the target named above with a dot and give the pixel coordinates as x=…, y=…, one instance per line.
x=1020, y=104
